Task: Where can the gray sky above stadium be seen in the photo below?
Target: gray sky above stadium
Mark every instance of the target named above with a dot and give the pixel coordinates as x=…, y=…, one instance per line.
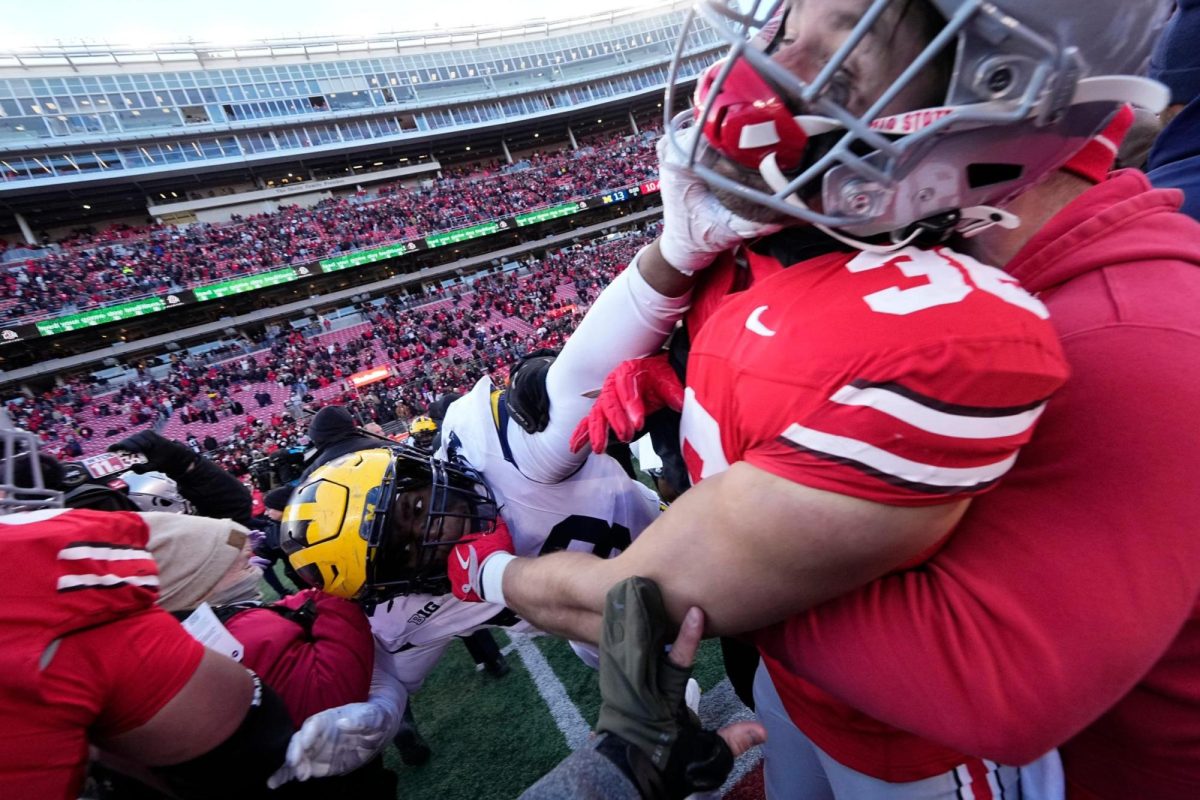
x=143, y=22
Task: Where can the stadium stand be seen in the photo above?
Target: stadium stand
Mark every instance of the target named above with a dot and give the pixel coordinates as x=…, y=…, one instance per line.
x=125, y=264
x=251, y=400
x=131, y=174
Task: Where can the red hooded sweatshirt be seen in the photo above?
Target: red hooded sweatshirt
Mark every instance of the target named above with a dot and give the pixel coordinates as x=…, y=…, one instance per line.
x=1065, y=606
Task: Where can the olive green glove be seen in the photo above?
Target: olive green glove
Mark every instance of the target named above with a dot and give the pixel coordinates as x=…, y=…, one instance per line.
x=651, y=735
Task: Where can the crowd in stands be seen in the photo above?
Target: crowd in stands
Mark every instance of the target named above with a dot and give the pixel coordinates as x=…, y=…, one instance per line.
x=120, y=264
x=245, y=404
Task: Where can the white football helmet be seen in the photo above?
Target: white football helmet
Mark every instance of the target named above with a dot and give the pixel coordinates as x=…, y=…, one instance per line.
x=19, y=454
x=154, y=491
x=1032, y=81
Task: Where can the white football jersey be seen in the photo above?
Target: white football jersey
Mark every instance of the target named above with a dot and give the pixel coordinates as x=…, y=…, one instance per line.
x=596, y=509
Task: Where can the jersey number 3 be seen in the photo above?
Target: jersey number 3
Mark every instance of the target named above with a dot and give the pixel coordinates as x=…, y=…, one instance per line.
x=951, y=277
x=602, y=537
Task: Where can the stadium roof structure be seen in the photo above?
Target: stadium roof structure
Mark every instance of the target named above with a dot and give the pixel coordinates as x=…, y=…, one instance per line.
x=90, y=133
x=193, y=54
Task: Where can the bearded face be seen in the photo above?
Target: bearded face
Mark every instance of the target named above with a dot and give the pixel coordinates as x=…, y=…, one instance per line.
x=812, y=33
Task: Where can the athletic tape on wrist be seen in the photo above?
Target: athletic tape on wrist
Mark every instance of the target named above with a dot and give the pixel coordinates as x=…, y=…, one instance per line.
x=491, y=577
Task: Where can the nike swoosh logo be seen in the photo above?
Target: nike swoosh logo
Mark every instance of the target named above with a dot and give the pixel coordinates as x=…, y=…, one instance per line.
x=754, y=323
x=465, y=563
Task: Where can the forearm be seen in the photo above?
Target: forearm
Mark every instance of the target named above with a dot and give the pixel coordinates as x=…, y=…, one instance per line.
x=631, y=318
x=662, y=277
x=214, y=492
x=561, y=593
x=398, y=676
x=387, y=691
x=747, y=547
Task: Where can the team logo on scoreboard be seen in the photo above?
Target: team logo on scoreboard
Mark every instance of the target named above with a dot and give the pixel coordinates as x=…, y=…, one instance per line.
x=9, y=336
x=173, y=300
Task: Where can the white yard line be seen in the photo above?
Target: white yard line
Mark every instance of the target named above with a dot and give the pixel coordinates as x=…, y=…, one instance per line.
x=566, y=715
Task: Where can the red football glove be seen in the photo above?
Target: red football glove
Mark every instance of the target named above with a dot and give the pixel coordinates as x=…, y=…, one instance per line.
x=468, y=556
x=631, y=392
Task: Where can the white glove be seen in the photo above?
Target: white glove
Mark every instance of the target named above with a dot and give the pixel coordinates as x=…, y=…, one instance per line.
x=338, y=740
x=696, y=227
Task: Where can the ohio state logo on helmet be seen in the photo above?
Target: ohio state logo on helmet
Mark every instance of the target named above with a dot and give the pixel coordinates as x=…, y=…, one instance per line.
x=747, y=120
x=978, y=102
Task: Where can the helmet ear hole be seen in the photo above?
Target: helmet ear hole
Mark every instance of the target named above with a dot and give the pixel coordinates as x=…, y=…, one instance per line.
x=979, y=175
x=719, y=118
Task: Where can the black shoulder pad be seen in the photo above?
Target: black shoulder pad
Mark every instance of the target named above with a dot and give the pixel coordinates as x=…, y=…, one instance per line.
x=527, y=400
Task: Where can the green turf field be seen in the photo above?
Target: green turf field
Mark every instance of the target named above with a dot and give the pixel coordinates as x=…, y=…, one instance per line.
x=493, y=737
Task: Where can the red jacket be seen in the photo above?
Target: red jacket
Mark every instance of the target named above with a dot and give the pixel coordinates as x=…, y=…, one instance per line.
x=1065, y=606
x=312, y=665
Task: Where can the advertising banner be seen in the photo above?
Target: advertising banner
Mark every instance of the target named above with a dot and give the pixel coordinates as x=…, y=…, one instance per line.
x=464, y=234
x=369, y=376
x=357, y=259
x=215, y=291
x=102, y=316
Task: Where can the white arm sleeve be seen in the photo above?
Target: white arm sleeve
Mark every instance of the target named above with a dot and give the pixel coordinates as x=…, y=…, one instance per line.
x=628, y=320
x=397, y=676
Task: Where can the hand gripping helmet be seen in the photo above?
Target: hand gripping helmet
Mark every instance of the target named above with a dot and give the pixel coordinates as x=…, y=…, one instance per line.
x=378, y=523
x=154, y=491
x=23, y=482
x=1031, y=82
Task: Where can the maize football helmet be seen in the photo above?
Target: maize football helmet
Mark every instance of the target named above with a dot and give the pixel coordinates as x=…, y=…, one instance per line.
x=378, y=523
x=422, y=430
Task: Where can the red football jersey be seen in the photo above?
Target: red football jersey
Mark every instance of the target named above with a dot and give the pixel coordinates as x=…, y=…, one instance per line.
x=85, y=651
x=906, y=379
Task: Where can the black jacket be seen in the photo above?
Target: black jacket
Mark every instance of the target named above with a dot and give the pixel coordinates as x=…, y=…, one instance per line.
x=333, y=431
x=214, y=492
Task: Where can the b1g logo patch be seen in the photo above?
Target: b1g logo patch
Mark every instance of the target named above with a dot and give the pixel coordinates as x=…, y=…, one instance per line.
x=425, y=613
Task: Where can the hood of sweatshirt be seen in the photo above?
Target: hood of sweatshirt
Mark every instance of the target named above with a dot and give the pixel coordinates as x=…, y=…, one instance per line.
x=1123, y=220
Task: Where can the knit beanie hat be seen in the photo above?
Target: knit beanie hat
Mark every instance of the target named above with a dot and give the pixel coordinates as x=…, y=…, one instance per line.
x=331, y=424
x=1176, y=58
x=192, y=554
x=277, y=498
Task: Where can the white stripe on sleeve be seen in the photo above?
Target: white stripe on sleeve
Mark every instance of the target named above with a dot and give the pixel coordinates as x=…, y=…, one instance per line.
x=894, y=465
x=81, y=581
x=963, y=777
x=80, y=552
x=929, y=419
x=27, y=517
